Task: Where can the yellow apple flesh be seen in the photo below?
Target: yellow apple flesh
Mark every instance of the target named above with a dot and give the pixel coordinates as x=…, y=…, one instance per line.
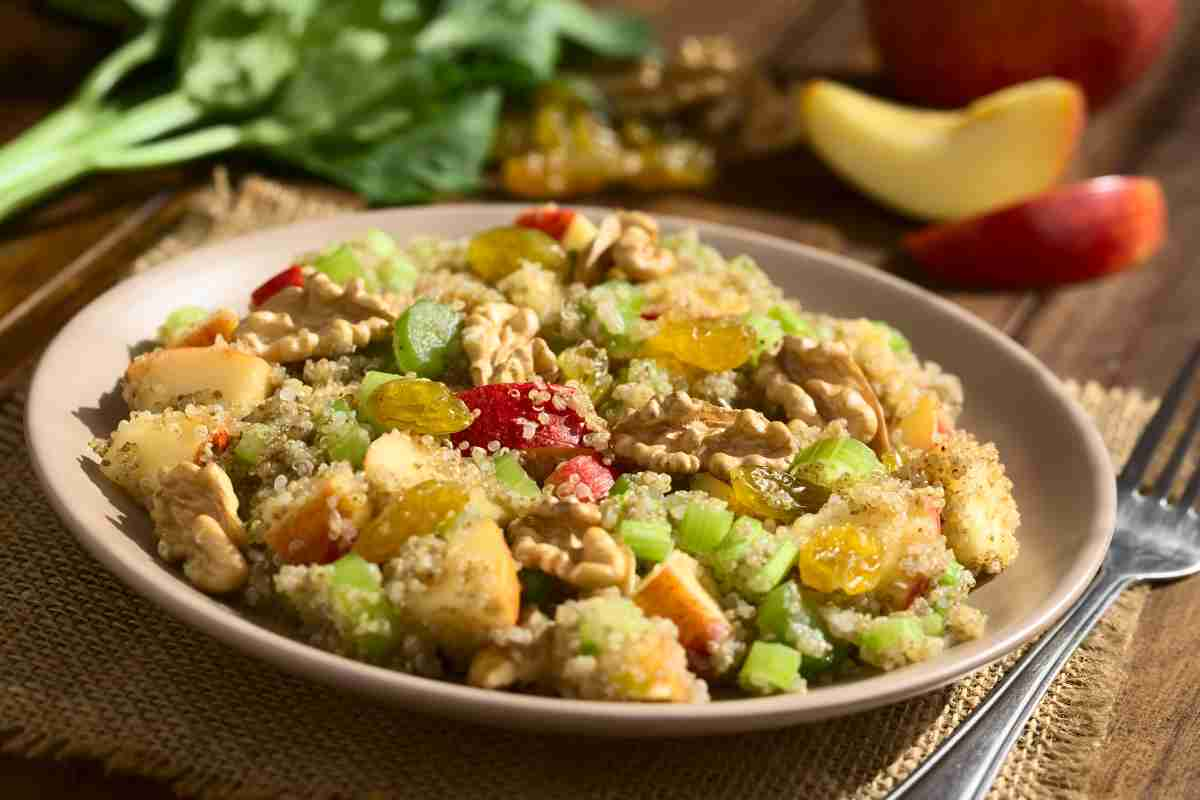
x=946, y=165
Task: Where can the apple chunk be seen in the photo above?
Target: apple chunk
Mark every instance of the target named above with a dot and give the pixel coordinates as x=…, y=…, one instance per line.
x=1075, y=233
x=177, y=376
x=947, y=165
x=673, y=590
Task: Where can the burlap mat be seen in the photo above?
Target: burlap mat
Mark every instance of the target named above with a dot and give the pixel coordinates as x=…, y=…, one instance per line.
x=88, y=669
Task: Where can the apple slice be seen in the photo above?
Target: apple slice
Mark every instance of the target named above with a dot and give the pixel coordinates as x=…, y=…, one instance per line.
x=947, y=164
x=673, y=590
x=1074, y=233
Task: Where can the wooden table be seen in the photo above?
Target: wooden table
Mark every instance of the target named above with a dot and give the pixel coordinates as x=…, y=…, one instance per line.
x=1130, y=330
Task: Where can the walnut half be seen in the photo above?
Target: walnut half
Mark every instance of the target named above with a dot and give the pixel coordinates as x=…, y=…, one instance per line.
x=319, y=319
x=818, y=382
x=626, y=245
x=500, y=340
x=682, y=435
x=563, y=537
x=195, y=517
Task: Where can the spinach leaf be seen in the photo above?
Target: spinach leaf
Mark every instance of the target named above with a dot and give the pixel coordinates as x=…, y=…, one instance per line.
x=611, y=34
x=236, y=53
x=442, y=153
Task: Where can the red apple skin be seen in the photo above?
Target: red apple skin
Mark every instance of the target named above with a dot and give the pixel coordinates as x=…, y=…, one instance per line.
x=949, y=52
x=1073, y=233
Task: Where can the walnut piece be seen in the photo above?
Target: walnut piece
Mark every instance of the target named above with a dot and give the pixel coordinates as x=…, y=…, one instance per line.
x=563, y=537
x=626, y=244
x=317, y=320
x=636, y=255
x=499, y=340
x=195, y=518
x=682, y=435
x=818, y=382
x=528, y=362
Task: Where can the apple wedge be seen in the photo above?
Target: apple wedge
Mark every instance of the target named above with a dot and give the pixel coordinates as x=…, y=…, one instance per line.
x=1074, y=233
x=673, y=591
x=947, y=165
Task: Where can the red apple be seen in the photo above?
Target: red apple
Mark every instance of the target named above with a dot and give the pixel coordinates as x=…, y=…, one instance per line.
x=1073, y=233
x=949, y=52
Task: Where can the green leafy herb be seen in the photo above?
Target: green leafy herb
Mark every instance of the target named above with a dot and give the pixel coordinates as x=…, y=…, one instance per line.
x=398, y=100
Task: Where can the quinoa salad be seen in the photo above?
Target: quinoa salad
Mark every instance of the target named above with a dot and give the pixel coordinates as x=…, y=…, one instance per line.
x=574, y=457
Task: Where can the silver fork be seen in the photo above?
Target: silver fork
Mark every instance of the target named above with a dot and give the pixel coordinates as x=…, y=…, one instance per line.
x=1155, y=540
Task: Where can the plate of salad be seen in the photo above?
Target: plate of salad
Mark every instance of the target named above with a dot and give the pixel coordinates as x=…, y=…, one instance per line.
x=572, y=469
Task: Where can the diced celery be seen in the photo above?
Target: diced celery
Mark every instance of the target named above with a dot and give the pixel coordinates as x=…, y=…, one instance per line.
x=427, y=338
x=617, y=307
x=514, y=477
x=347, y=441
x=703, y=527
x=621, y=485
x=252, y=444
x=888, y=635
x=934, y=624
x=952, y=576
x=779, y=610
x=352, y=571
x=370, y=382
x=745, y=533
x=792, y=323
x=896, y=340
x=379, y=243
x=341, y=405
x=603, y=618
x=397, y=274
x=650, y=540
x=340, y=264
x=769, y=668
x=831, y=460
x=363, y=613
x=180, y=320
x=768, y=332
x=775, y=570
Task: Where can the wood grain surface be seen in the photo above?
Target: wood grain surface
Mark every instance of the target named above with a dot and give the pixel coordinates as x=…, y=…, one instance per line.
x=1131, y=330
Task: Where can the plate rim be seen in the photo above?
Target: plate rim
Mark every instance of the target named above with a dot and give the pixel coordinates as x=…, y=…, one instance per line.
x=165, y=589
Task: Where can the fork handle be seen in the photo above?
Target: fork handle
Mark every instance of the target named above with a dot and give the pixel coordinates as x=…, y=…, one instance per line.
x=967, y=762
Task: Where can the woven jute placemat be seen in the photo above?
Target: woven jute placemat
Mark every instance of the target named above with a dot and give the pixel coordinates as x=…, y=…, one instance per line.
x=89, y=669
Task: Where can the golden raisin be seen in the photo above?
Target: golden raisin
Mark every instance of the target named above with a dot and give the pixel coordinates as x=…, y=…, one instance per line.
x=842, y=558
x=420, y=406
x=496, y=253
x=773, y=494
x=416, y=512
x=713, y=345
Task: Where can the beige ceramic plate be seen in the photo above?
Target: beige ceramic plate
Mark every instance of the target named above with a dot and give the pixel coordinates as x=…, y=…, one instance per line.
x=1063, y=479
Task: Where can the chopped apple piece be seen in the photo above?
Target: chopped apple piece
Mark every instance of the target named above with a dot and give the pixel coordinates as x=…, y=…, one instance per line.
x=145, y=444
x=205, y=375
x=673, y=590
x=1074, y=233
x=320, y=525
x=579, y=234
x=397, y=461
x=946, y=165
x=920, y=427
x=475, y=593
x=219, y=324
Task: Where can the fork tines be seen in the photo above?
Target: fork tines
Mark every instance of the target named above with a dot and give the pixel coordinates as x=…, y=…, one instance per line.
x=1143, y=452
